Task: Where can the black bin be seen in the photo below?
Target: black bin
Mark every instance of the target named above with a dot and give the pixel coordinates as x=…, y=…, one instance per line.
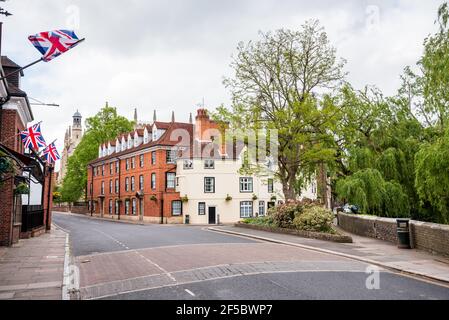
x=187, y=219
x=403, y=230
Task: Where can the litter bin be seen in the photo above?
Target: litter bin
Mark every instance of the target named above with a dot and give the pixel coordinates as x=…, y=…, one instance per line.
x=403, y=230
x=187, y=219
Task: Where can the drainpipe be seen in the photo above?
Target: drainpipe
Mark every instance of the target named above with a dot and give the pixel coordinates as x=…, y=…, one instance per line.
x=48, y=197
x=91, y=187
x=119, y=185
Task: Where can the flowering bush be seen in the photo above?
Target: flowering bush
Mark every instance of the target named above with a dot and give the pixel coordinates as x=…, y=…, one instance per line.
x=284, y=214
x=314, y=218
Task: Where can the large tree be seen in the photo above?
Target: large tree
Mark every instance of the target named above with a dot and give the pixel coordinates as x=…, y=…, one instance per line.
x=104, y=126
x=276, y=86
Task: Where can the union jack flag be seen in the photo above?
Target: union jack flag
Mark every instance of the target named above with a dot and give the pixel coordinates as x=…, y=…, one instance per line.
x=50, y=153
x=32, y=137
x=54, y=43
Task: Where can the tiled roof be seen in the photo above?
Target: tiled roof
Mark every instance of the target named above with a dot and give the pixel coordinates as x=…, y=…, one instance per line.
x=164, y=140
x=15, y=91
x=8, y=63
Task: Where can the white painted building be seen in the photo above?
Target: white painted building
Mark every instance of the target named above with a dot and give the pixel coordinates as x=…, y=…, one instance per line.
x=214, y=191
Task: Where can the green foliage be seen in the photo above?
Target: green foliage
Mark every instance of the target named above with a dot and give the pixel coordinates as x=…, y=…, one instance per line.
x=432, y=177
x=315, y=218
x=282, y=216
x=368, y=190
x=260, y=221
x=22, y=188
x=273, y=88
x=104, y=126
x=6, y=166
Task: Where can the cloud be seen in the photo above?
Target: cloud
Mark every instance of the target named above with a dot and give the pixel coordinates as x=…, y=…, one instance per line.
x=169, y=55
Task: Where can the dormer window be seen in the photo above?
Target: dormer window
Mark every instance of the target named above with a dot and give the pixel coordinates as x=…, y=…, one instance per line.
x=145, y=136
x=154, y=133
x=123, y=144
x=130, y=142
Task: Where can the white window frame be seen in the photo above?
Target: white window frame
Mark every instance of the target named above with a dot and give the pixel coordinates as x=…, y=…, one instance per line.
x=262, y=209
x=206, y=190
x=201, y=208
x=178, y=209
x=134, y=207
x=153, y=181
x=171, y=180
x=246, y=209
x=245, y=183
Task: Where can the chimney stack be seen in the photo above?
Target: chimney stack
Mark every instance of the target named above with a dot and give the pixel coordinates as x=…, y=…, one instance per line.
x=173, y=116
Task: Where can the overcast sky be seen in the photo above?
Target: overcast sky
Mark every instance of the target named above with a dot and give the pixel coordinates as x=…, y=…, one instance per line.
x=169, y=55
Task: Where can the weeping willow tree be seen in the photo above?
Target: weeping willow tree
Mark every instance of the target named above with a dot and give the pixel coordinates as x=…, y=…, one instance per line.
x=368, y=189
x=432, y=177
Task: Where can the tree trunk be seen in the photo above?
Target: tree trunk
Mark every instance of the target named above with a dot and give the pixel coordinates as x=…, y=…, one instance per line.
x=322, y=184
x=288, y=180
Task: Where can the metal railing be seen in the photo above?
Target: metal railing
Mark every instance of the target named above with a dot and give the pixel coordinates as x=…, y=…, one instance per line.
x=32, y=217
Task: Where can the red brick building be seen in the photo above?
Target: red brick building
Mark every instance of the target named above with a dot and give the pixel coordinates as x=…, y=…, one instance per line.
x=135, y=175
x=15, y=114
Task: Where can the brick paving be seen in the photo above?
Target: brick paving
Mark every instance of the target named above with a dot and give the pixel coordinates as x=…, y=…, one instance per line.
x=33, y=268
x=109, y=274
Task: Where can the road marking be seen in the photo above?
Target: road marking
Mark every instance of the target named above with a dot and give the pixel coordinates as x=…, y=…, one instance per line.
x=114, y=239
x=190, y=292
x=168, y=274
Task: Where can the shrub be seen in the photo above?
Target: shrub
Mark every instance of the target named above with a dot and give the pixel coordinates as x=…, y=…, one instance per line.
x=284, y=214
x=314, y=218
x=261, y=221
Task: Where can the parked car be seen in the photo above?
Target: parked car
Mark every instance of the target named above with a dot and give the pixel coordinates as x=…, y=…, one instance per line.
x=347, y=208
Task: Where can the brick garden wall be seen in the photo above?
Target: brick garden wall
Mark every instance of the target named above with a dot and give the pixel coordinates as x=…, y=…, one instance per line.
x=73, y=209
x=430, y=237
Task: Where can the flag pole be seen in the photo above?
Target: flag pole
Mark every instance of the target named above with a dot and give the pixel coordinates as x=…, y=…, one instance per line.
x=39, y=152
x=34, y=62
x=17, y=134
x=21, y=69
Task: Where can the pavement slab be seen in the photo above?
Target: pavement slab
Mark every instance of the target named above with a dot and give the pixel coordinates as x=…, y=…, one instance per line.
x=33, y=268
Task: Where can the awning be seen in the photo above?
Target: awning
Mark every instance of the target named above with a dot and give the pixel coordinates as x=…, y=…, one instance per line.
x=28, y=163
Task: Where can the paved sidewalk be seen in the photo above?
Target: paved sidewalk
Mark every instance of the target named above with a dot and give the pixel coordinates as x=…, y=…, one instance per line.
x=33, y=268
x=364, y=249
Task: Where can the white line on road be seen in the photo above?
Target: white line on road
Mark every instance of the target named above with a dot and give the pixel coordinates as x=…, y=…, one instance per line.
x=168, y=274
x=114, y=239
x=190, y=292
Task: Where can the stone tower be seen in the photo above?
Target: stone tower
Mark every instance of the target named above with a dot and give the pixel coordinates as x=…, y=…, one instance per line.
x=72, y=138
x=77, y=130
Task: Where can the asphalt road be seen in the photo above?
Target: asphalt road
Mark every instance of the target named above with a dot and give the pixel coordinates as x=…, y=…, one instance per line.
x=297, y=286
x=128, y=261
x=90, y=236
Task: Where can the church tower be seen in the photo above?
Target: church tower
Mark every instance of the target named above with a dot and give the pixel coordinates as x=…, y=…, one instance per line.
x=73, y=136
x=77, y=130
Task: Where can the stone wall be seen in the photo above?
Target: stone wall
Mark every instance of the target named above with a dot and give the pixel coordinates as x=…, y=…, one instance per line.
x=430, y=237
x=72, y=209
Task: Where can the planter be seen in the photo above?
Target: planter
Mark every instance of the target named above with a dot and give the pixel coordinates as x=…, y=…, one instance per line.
x=340, y=238
x=22, y=188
